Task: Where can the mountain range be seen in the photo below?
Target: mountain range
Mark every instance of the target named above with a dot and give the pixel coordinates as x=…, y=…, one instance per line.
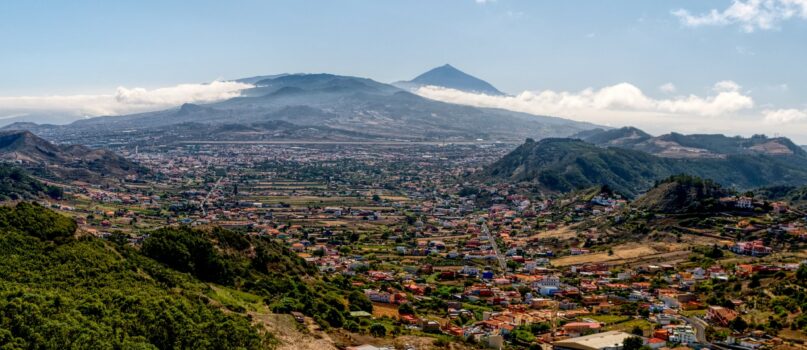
x=698, y=146
x=321, y=107
x=560, y=165
x=72, y=162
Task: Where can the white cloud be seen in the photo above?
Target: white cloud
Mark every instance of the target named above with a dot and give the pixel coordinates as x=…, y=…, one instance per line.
x=591, y=103
x=125, y=100
x=482, y=2
x=668, y=88
x=784, y=116
x=726, y=110
x=726, y=86
x=749, y=14
x=12, y=116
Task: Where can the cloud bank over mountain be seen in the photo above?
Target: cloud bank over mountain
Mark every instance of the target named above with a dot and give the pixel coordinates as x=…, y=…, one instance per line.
x=785, y=116
x=727, y=98
x=726, y=109
x=122, y=101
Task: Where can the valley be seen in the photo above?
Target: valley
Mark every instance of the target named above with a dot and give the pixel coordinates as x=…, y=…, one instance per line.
x=414, y=244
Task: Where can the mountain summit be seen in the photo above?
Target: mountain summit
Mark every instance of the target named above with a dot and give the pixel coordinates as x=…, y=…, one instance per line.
x=449, y=77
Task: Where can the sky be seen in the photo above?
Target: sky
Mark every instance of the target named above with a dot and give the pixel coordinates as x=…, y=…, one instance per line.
x=706, y=66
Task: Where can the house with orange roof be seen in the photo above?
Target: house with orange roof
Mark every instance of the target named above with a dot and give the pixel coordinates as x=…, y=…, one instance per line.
x=720, y=315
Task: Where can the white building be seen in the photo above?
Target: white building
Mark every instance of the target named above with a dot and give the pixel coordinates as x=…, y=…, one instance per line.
x=683, y=335
x=612, y=340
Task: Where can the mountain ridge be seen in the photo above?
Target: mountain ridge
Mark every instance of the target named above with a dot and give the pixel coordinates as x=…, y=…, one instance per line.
x=562, y=165
x=695, y=146
x=65, y=161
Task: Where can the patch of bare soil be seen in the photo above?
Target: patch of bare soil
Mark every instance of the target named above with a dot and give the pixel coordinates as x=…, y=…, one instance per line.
x=291, y=335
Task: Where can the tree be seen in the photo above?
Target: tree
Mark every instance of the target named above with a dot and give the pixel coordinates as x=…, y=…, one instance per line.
x=801, y=273
x=378, y=330
x=406, y=309
x=738, y=324
x=334, y=317
x=540, y=328
x=632, y=343
x=714, y=253
x=628, y=309
x=359, y=302
x=523, y=336
x=754, y=282
x=637, y=331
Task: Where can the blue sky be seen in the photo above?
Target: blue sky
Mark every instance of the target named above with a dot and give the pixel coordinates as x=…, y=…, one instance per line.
x=94, y=47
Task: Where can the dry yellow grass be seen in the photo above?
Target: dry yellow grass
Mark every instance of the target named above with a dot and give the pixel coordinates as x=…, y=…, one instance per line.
x=332, y=223
x=563, y=232
x=381, y=310
x=394, y=198
x=621, y=252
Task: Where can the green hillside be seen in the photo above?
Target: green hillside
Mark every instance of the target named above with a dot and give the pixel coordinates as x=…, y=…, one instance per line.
x=796, y=196
x=567, y=164
x=682, y=194
x=16, y=184
x=62, y=291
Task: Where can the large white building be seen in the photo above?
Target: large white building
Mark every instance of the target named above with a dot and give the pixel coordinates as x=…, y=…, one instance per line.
x=612, y=340
x=683, y=335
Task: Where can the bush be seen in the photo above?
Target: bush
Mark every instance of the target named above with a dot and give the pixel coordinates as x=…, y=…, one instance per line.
x=378, y=330
x=351, y=326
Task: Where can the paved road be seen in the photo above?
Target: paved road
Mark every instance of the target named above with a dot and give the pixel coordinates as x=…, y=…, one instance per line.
x=215, y=186
x=499, y=256
x=700, y=329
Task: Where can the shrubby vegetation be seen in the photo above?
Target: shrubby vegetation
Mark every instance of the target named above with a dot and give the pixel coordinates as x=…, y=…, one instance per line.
x=36, y=221
x=796, y=196
x=683, y=193
x=257, y=265
x=61, y=292
x=16, y=184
